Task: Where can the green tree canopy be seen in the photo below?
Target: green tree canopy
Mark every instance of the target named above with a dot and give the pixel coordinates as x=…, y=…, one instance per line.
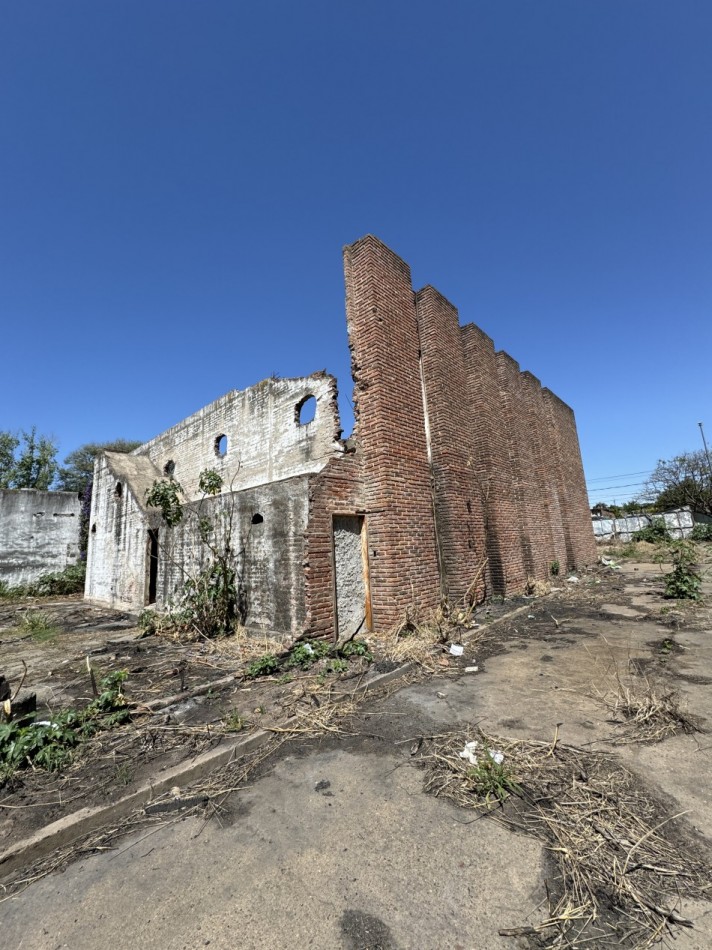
x=28, y=460
x=77, y=471
x=683, y=480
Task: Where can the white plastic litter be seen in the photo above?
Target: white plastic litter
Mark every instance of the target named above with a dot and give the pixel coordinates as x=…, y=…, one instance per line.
x=469, y=753
x=471, y=669
x=530, y=616
x=308, y=647
x=572, y=580
x=456, y=649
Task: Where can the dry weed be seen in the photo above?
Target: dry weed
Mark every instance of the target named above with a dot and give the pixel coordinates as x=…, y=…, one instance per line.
x=622, y=865
x=648, y=711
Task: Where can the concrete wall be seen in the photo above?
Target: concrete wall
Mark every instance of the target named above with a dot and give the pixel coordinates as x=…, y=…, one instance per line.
x=679, y=524
x=116, y=556
x=458, y=459
x=39, y=533
x=265, y=441
x=268, y=525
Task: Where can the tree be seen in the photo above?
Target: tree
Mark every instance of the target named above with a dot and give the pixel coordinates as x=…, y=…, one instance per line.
x=683, y=480
x=36, y=464
x=77, y=471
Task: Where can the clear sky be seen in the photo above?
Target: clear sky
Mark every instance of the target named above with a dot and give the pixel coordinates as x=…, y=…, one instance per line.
x=177, y=180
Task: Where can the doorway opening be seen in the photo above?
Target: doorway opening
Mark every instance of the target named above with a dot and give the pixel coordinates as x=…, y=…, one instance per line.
x=152, y=567
x=351, y=582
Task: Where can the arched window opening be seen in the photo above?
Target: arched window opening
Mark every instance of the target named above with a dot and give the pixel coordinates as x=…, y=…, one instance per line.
x=169, y=468
x=306, y=410
x=221, y=446
x=257, y=518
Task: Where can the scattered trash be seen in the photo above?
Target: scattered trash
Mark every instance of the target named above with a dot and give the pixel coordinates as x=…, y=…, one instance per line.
x=308, y=647
x=469, y=753
x=572, y=580
x=555, y=590
x=456, y=649
x=530, y=617
x=471, y=669
x=440, y=695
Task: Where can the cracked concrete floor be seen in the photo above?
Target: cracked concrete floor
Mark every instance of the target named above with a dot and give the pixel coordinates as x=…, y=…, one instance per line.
x=336, y=846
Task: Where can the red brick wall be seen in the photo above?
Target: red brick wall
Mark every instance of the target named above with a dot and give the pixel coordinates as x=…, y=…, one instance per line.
x=390, y=428
x=459, y=518
x=337, y=489
x=494, y=473
x=568, y=469
x=459, y=455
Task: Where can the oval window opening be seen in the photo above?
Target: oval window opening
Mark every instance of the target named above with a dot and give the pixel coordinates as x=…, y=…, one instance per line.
x=169, y=468
x=306, y=410
x=257, y=518
x=119, y=490
x=221, y=446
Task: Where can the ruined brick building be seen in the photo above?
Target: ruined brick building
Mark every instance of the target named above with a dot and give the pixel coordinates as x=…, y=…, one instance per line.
x=463, y=476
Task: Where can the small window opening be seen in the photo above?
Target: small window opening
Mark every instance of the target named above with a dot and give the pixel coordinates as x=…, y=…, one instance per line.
x=221, y=446
x=257, y=518
x=118, y=491
x=169, y=468
x=306, y=410
x=93, y=528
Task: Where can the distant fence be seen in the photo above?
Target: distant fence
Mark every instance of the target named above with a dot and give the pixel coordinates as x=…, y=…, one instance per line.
x=679, y=524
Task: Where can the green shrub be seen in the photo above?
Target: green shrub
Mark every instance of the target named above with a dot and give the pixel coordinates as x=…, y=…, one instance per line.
x=684, y=581
x=49, y=743
x=68, y=581
x=654, y=532
x=355, y=648
x=264, y=666
x=701, y=532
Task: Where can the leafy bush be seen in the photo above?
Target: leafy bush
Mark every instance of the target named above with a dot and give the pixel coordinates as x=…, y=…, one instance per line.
x=554, y=568
x=69, y=581
x=263, y=666
x=684, y=581
x=305, y=654
x=701, y=532
x=654, y=532
x=356, y=648
x=50, y=743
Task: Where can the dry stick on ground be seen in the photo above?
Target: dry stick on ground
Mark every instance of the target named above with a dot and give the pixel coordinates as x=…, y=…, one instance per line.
x=620, y=868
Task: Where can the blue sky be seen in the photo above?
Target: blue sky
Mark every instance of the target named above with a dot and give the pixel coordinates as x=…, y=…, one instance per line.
x=177, y=180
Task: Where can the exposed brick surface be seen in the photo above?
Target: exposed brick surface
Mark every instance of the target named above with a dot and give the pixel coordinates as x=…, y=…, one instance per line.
x=492, y=459
x=459, y=520
x=390, y=427
x=459, y=463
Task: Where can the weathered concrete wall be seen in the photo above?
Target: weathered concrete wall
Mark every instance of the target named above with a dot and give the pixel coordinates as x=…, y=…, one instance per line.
x=679, y=524
x=118, y=531
x=39, y=533
x=457, y=456
x=265, y=441
x=267, y=526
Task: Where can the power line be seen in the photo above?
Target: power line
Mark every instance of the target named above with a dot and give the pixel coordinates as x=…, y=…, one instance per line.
x=616, y=487
x=605, y=478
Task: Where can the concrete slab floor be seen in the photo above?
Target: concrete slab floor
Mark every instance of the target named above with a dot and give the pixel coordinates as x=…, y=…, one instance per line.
x=335, y=845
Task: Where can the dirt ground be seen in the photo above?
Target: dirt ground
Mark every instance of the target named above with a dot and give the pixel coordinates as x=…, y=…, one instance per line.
x=330, y=841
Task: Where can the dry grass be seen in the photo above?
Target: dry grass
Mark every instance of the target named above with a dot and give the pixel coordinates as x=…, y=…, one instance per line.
x=647, y=711
x=421, y=636
x=622, y=865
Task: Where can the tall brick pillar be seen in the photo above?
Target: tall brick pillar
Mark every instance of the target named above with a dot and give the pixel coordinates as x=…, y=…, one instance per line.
x=459, y=520
x=490, y=441
x=390, y=427
x=578, y=529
